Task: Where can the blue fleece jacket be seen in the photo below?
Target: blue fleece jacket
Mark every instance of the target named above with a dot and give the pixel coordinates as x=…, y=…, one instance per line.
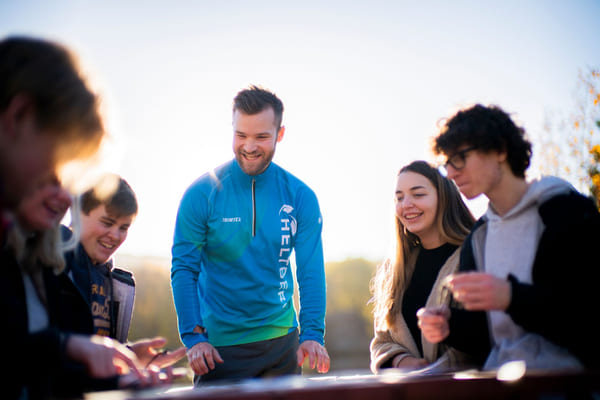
x=231, y=272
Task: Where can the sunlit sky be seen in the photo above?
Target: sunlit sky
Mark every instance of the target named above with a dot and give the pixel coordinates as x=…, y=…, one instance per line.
x=363, y=83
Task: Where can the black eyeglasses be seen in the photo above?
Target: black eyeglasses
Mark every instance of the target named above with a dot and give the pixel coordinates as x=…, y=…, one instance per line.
x=457, y=160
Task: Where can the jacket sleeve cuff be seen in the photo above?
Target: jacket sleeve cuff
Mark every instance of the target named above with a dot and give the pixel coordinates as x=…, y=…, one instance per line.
x=192, y=339
x=514, y=293
x=317, y=337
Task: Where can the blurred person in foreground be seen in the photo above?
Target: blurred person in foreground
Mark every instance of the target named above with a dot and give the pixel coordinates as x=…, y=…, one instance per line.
x=231, y=275
x=104, y=214
x=48, y=321
x=431, y=222
x=48, y=116
x=528, y=270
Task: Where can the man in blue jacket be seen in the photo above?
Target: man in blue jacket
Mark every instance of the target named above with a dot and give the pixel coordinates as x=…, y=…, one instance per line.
x=231, y=274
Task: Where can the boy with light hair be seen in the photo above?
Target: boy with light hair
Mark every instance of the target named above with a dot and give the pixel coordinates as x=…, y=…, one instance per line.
x=106, y=213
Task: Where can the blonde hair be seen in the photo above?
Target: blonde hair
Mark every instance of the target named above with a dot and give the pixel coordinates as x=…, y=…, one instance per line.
x=453, y=221
x=32, y=251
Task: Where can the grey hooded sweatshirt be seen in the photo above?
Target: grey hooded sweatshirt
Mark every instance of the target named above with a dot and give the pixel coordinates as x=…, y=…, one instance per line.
x=508, y=245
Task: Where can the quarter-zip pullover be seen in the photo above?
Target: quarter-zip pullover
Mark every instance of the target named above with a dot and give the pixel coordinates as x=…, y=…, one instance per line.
x=231, y=272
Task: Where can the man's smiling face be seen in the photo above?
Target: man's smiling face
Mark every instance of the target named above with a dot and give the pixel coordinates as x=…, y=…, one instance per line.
x=255, y=138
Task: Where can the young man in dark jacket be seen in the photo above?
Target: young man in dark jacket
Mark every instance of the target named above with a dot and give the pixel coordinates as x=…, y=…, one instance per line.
x=530, y=258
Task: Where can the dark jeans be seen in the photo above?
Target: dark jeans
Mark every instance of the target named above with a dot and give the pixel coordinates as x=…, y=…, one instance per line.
x=266, y=358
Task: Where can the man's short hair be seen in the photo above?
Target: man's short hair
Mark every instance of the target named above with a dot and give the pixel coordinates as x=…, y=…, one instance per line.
x=50, y=76
x=486, y=129
x=114, y=193
x=255, y=99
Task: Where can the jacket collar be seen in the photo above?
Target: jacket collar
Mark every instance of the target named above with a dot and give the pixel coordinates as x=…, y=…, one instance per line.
x=239, y=174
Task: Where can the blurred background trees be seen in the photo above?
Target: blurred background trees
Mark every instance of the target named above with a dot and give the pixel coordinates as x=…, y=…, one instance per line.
x=570, y=145
x=349, y=320
x=154, y=311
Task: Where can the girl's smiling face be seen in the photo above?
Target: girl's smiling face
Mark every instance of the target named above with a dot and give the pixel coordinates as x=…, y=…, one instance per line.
x=45, y=206
x=416, y=205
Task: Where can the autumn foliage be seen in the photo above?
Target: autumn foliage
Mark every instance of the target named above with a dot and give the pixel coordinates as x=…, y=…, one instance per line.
x=571, y=144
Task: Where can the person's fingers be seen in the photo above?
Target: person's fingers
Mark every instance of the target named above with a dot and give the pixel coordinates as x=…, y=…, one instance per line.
x=327, y=363
x=480, y=290
x=463, y=289
x=320, y=360
x=317, y=355
x=433, y=337
x=192, y=362
x=217, y=357
x=467, y=296
x=324, y=362
x=127, y=353
x=153, y=376
x=161, y=339
x=431, y=320
x=195, y=368
x=169, y=376
x=119, y=366
x=208, y=359
x=129, y=361
x=474, y=299
x=199, y=366
x=312, y=359
x=440, y=311
x=435, y=329
x=202, y=358
x=466, y=278
x=150, y=342
x=169, y=358
x=177, y=354
x=210, y=362
x=300, y=355
x=157, y=342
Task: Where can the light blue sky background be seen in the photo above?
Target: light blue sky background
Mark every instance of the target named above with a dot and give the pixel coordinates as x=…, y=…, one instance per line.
x=363, y=82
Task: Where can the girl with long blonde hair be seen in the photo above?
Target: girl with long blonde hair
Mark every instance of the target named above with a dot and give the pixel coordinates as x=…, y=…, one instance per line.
x=431, y=223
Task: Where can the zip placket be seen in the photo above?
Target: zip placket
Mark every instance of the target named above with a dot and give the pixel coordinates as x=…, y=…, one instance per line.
x=253, y=208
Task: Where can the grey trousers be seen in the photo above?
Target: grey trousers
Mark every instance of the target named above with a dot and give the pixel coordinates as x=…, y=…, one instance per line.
x=267, y=358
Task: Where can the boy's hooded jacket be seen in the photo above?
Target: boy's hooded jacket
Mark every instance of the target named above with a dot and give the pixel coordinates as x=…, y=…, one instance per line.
x=545, y=246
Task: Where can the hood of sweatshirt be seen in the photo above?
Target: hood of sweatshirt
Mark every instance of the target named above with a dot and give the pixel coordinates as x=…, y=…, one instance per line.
x=539, y=191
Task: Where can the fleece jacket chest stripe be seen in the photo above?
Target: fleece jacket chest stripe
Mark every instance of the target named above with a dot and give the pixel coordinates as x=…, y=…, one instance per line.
x=253, y=207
